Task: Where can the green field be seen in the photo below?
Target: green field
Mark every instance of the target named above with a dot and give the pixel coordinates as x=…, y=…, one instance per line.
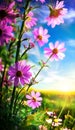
x=63, y=104
x=60, y=103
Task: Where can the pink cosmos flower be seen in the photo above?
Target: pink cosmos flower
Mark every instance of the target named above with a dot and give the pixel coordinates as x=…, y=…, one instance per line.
x=42, y=1
x=19, y=73
x=7, y=12
x=30, y=21
x=34, y=100
x=1, y=65
x=55, y=51
x=5, y=33
x=41, y=35
x=56, y=14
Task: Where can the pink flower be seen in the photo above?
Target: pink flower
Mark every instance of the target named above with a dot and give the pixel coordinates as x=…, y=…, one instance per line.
x=55, y=51
x=56, y=14
x=19, y=73
x=7, y=12
x=34, y=100
x=41, y=35
x=1, y=65
x=42, y=1
x=5, y=33
x=42, y=127
x=30, y=21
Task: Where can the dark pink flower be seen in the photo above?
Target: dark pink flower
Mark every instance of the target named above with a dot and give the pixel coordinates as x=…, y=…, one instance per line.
x=30, y=21
x=5, y=33
x=1, y=65
x=41, y=35
x=7, y=12
x=55, y=51
x=34, y=100
x=56, y=14
x=19, y=73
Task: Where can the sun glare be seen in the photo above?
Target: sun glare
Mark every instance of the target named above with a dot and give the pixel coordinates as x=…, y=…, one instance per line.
x=65, y=89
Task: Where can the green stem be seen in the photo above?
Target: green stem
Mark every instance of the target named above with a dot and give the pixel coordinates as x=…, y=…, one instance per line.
x=2, y=83
x=62, y=109
x=16, y=99
x=39, y=72
x=17, y=54
x=25, y=52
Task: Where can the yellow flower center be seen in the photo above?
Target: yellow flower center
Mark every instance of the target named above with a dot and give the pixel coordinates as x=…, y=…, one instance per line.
x=55, y=12
x=18, y=73
x=55, y=51
x=39, y=37
x=28, y=19
x=34, y=99
x=56, y=120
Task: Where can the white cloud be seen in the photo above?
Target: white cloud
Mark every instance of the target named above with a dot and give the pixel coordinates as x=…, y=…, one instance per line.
x=42, y=13
x=70, y=16
x=55, y=81
x=71, y=42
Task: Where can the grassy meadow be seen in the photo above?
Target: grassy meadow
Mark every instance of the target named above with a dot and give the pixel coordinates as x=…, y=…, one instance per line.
x=25, y=118
x=62, y=103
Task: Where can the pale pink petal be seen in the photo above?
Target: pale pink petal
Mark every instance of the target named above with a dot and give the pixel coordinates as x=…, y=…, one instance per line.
x=28, y=97
x=33, y=94
x=51, y=45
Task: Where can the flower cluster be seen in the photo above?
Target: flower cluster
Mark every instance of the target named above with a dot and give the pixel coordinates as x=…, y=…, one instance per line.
x=53, y=120
x=7, y=17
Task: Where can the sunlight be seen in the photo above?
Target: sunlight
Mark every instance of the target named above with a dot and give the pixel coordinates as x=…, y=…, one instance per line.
x=65, y=89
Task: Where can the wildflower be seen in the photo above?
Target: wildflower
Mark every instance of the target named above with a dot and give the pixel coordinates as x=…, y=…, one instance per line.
x=32, y=45
x=57, y=122
x=7, y=12
x=1, y=65
x=5, y=33
x=51, y=114
x=55, y=51
x=56, y=14
x=30, y=20
x=19, y=73
x=34, y=100
x=42, y=1
x=42, y=127
x=41, y=35
x=49, y=121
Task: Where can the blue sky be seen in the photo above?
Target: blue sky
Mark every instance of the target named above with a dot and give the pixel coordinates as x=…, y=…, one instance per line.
x=60, y=75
